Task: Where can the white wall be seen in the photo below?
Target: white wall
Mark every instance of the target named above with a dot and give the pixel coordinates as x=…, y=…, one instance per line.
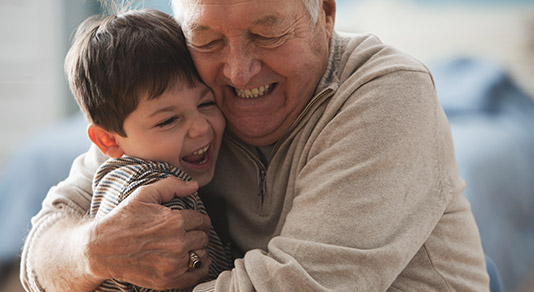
x=31, y=78
x=34, y=38
x=502, y=32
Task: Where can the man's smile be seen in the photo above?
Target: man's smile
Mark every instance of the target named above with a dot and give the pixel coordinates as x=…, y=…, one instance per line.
x=254, y=92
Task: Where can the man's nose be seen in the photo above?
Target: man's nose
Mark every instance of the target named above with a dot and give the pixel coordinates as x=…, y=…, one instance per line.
x=241, y=64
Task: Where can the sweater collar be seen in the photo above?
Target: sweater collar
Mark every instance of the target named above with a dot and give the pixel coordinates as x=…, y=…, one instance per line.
x=329, y=77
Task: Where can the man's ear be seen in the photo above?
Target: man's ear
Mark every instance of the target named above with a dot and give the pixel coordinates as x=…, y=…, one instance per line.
x=329, y=9
x=105, y=141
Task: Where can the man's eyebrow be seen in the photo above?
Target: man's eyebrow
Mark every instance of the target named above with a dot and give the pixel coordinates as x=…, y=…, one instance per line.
x=267, y=20
x=195, y=27
x=169, y=108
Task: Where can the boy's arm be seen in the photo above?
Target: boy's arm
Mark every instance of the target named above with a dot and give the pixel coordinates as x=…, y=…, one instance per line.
x=65, y=252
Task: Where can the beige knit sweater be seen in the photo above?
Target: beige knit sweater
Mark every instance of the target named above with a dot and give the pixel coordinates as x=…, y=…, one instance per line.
x=362, y=194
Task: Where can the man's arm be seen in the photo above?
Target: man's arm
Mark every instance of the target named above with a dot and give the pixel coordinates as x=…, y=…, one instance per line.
x=67, y=252
x=58, y=257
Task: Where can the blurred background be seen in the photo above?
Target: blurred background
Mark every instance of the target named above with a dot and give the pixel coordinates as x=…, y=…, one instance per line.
x=481, y=53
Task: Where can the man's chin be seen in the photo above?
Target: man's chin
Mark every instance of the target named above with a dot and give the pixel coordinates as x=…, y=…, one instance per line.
x=256, y=136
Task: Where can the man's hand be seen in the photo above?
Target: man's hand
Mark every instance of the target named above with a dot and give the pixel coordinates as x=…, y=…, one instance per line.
x=144, y=243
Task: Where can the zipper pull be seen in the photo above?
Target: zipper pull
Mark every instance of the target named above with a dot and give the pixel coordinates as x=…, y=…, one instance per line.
x=261, y=187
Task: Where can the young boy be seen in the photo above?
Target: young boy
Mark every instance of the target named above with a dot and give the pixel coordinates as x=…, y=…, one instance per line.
x=133, y=78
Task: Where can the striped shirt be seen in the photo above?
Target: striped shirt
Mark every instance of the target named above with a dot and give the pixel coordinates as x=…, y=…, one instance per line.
x=116, y=179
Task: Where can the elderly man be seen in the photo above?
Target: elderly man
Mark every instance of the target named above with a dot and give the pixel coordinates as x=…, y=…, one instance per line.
x=337, y=172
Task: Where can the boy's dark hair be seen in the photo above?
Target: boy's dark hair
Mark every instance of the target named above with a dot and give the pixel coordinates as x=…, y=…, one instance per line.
x=116, y=59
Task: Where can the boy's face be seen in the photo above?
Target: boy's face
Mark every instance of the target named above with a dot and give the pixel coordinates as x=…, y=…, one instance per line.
x=182, y=127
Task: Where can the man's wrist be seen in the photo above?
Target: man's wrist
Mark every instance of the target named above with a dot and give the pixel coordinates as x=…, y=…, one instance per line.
x=62, y=263
x=92, y=270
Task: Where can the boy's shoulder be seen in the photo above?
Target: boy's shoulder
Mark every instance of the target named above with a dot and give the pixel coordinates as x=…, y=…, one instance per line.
x=126, y=173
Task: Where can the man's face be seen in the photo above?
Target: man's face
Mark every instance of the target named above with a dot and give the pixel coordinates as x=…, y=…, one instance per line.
x=262, y=59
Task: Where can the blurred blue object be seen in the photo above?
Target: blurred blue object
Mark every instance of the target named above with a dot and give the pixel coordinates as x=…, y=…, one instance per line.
x=476, y=87
x=39, y=163
x=492, y=124
x=495, y=276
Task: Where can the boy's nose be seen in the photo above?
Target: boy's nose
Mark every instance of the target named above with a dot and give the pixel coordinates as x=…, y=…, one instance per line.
x=199, y=126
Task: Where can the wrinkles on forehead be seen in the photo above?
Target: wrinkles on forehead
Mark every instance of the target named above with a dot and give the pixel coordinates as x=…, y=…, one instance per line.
x=194, y=8
x=197, y=14
x=207, y=21
x=180, y=7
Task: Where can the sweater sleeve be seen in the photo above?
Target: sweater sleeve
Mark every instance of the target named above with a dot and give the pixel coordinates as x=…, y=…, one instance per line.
x=71, y=197
x=377, y=204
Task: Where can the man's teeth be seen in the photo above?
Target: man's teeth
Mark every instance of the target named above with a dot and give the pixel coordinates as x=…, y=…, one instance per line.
x=253, y=93
x=201, y=151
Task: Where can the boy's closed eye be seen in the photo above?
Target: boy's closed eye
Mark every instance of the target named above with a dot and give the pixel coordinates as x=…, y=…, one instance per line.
x=167, y=122
x=207, y=104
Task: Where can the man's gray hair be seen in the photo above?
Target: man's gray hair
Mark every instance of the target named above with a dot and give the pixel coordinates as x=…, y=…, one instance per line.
x=313, y=7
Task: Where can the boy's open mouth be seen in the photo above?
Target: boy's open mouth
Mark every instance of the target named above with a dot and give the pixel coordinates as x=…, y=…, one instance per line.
x=198, y=157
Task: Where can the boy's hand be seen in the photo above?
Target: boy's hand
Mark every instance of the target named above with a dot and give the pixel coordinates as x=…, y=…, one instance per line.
x=146, y=244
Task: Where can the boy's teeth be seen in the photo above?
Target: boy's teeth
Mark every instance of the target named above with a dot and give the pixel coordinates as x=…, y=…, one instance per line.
x=252, y=93
x=198, y=157
x=201, y=151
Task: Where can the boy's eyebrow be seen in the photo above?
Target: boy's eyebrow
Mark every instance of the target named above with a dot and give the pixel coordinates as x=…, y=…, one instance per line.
x=169, y=108
x=204, y=92
x=161, y=110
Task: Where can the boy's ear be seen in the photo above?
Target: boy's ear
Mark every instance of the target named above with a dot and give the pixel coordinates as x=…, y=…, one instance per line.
x=105, y=141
